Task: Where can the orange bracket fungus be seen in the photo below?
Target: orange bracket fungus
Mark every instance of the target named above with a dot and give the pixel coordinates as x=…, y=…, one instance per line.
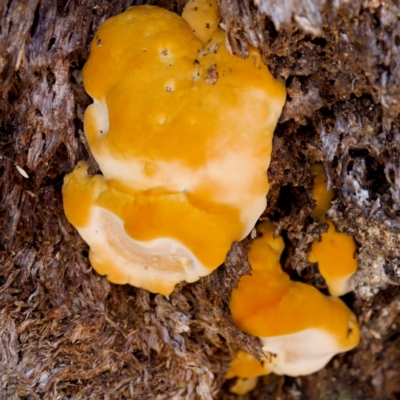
x=182, y=131
x=335, y=252
x=300, y=327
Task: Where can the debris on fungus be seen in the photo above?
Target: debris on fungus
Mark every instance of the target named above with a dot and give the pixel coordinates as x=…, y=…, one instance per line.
x=299, y=327
x=335, y=253
x=182, y=131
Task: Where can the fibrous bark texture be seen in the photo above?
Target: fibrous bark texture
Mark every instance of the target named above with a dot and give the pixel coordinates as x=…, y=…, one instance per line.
x=66, y=333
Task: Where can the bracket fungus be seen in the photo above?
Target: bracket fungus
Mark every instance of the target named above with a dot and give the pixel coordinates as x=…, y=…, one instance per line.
x=300, y=327
x=182, y=132
x=335, y=252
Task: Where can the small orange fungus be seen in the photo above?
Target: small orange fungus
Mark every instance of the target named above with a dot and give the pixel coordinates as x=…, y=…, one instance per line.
x=335, y=253
x=300, y=327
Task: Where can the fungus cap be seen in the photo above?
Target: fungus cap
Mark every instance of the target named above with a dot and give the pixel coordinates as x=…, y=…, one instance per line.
x=182, y=133
x=335, y=253
x=301, y=327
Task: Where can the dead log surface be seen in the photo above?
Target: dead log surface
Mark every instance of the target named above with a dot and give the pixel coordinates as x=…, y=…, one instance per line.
x=67, y=333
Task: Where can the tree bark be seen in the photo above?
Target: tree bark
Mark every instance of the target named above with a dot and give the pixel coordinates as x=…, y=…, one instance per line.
x=65, y=332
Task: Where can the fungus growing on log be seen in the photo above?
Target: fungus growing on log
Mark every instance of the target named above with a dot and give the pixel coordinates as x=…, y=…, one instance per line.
x=182, y=131
x=335, y=252
x=302, y=328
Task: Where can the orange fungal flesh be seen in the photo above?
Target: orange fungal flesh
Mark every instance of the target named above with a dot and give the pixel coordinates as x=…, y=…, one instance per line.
x=203, y=18
x=301, y=326
x=335, y=252
x=246, y=366
x=182, y=132
x=321, y=194
x=243, y=385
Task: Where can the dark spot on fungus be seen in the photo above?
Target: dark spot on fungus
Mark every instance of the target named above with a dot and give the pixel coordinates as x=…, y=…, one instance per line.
x=164, y=52
x=349, y=331
x=168, y=89
x=195, y=8
x=207, y=25
x=212, y=75
x=196, y=62
x=98, y=43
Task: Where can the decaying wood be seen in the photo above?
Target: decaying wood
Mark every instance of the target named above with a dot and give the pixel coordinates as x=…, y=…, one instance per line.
x=65, y=332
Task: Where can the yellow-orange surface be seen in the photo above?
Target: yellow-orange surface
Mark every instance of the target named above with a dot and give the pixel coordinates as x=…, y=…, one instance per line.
x=335, y=252
x=182, y=131
x=269, y=305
